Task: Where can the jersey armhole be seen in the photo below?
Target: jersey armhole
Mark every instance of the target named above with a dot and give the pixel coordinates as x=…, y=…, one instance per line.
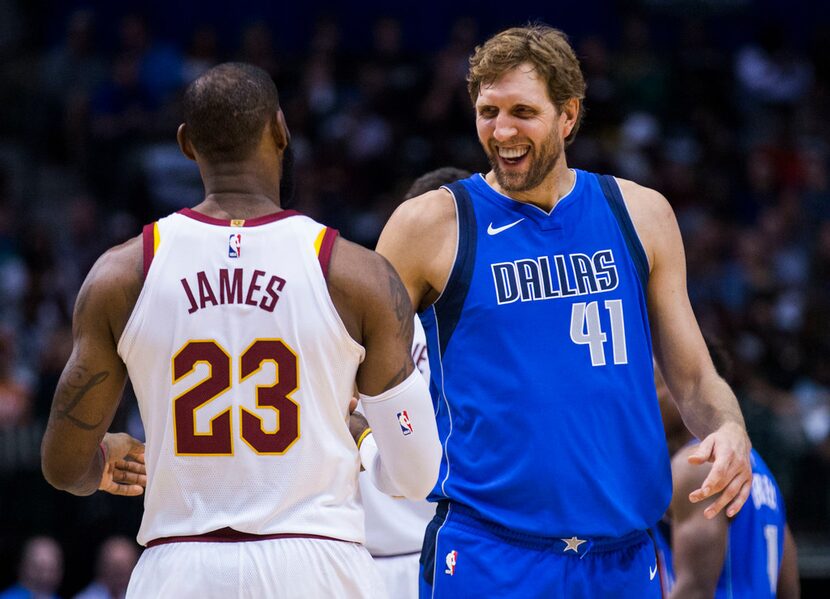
x=323, y=245
x=613, y=195
x=150, y=239
x=450, y=303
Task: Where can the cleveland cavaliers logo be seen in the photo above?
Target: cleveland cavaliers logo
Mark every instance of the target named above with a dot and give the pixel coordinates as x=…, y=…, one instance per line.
x=235, y=245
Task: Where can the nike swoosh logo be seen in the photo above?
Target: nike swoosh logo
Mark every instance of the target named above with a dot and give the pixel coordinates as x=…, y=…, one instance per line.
x=491, y=230
x=652, y=573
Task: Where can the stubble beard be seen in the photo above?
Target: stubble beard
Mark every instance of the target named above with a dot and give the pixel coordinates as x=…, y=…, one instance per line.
x=540, y=167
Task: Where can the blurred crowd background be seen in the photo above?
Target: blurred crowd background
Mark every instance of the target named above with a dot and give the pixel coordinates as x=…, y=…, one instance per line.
x=723, y=106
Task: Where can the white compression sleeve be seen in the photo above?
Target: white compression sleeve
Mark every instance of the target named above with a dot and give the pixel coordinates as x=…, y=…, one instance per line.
x=403, y=453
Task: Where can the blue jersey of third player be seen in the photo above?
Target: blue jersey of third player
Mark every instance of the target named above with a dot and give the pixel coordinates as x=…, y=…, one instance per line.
x=540, y=353
x=755, y=542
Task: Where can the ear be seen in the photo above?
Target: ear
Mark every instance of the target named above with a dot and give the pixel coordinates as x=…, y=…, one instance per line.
x=568, y=115
x=279, y=130
x=184, y=143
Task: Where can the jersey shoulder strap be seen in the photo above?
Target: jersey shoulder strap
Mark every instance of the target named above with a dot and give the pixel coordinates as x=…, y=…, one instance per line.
x=613, y=195
x=449, y=306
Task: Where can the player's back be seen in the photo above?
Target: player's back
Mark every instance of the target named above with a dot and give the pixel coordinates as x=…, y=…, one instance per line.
x=243, y=372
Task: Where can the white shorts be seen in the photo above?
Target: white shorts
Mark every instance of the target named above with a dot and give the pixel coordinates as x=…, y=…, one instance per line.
x=274, y=568
x=400, y=573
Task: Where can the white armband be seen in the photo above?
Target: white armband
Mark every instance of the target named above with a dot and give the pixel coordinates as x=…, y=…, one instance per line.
x=402, y=454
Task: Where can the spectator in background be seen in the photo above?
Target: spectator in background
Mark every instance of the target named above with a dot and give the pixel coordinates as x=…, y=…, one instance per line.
x=15, y=396
x=41, y=571
x=69, y=73
x=117, y=557
x=202, y=52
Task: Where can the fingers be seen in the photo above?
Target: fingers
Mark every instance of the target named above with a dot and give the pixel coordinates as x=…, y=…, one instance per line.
x=721, y=474
x=739, y=502
x=738, y=490
x=352, y=404
x=704, y=452
x=124, y=490
x=129, y=466
x=130, y=473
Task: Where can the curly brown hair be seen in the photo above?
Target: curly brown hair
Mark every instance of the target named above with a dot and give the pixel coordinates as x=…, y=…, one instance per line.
x=546, y=48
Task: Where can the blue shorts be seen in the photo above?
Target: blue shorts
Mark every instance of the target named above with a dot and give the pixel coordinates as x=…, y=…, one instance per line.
x=465, y=556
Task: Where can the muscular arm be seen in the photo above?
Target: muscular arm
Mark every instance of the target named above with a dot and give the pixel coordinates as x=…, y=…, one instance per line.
x=698, y=543
x=91, y=384
x=707, y=404
x=376, y=309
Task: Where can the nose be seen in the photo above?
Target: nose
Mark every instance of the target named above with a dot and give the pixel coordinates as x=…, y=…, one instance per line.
x=505, y=128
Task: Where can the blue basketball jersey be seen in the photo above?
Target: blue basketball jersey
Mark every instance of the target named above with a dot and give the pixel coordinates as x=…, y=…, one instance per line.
x=755, y=542
x=540, y=354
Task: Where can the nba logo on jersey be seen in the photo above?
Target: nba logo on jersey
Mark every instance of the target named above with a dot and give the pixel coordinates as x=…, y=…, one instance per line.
x=452, y=557
x=235, y=245
x=406, y=425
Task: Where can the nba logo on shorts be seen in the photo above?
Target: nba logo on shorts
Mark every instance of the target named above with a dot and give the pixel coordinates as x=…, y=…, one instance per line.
x=452, y=557
x=235, y=245
x=406, y=425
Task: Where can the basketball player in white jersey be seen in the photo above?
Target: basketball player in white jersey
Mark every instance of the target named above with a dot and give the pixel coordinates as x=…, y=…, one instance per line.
x=243, y=328
x=395, y=527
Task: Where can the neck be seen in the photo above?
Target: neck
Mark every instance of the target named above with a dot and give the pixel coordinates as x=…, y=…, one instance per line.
x=556, y=185
x=237, y=192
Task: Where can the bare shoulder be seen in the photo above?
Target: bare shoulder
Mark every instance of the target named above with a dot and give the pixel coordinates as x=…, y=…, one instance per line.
x=433, y=209
x=420, y=240
x=651, y=214
x=113, y=284
x=120, y=267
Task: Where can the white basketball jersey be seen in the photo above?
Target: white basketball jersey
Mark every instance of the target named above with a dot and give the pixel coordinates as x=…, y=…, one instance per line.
x=243, y=372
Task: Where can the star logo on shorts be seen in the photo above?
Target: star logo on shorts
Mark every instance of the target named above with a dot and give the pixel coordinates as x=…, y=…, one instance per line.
x=572, y=544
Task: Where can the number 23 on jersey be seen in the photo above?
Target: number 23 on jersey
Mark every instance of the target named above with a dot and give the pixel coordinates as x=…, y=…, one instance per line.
x=218, y=441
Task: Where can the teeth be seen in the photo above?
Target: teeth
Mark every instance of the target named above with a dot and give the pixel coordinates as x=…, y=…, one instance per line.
x=512, y=153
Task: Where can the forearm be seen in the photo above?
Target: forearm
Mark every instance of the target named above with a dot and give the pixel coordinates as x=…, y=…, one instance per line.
x=403, y=453
x=709, y=405
x=72, y=473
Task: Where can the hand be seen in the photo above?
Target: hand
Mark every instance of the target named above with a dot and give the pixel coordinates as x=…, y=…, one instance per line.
x=357, y=425
x=124, y=470
x=731, y=474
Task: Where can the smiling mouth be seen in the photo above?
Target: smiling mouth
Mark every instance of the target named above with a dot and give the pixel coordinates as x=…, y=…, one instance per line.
x=513, y=155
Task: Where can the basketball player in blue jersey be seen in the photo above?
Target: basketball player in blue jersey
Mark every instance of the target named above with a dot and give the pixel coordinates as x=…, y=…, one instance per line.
x=544, y=290
x=752, y=555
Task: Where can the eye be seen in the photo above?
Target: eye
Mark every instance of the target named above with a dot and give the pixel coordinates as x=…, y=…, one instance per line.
x=487, y=112
x=524, y=111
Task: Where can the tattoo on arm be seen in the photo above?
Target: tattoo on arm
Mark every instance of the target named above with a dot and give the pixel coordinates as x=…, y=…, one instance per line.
x=402, y=306
x=399, y=377
x=78, y=384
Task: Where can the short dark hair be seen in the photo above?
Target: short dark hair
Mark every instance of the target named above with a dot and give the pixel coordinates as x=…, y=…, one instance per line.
x=435, y=179
x=226, y=109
